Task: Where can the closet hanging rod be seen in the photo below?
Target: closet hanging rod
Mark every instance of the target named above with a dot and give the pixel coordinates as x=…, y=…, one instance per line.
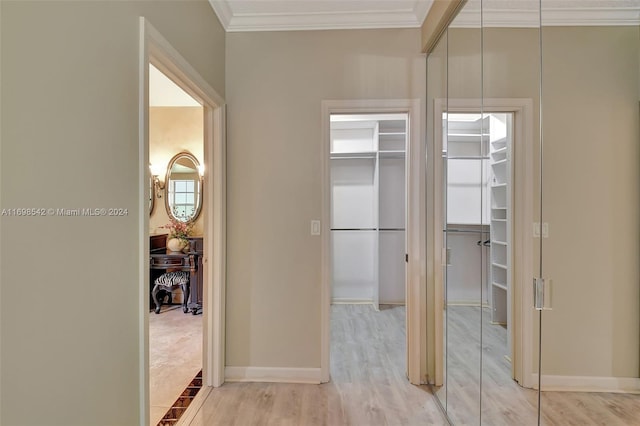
x=354, y=229
x=467, y=158
x=464, y=231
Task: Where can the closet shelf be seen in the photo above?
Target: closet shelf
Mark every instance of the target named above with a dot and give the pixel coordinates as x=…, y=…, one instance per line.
x=500, y=141
x=499, y=185
x=499, y=285
x=498, y=220
x=499, y=163
x=498, y=151
x=392, y=153
x=392, y=133
x=499, y=265
x=353, y=155
x=500, y=243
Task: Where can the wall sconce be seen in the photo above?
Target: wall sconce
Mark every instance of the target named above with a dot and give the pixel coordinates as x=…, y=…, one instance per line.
x=158, y=184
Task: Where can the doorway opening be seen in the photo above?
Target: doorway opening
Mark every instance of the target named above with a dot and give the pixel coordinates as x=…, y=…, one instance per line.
x=205, y=254
x=176, y=150
x=372, y=247
x=368, y=242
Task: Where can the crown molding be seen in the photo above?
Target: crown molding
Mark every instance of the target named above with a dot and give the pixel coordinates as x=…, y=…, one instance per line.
x=223, y=11
x=290, y=21
x=601, y=16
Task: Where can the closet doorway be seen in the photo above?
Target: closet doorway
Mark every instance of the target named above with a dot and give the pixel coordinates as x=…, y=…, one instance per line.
x=368, y=245
x=373, y=250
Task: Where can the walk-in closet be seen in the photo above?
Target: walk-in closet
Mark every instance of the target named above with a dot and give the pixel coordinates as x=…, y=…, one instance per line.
x=368, y=208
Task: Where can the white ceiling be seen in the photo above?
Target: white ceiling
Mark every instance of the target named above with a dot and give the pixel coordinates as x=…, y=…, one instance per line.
x=280, y=15
x=164, y=92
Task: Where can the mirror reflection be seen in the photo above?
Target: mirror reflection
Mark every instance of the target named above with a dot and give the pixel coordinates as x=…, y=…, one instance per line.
x=183, y=187
x=500, y=90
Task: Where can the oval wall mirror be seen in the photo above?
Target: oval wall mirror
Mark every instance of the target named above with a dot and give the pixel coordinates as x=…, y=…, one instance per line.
x=152, y=195
x=183, y=188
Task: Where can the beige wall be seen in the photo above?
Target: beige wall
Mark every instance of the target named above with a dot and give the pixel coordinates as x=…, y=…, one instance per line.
x=70, y=293
x=173, y=130
x=591, y=179
x=592, y=201
x=275, y=84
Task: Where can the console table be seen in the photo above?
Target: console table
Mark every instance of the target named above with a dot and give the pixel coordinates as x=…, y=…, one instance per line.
x=162, y=260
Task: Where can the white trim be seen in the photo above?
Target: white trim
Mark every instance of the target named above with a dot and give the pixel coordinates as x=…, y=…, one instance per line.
x=587, y=384
x=143, y=226
x=273, y=375
x=154, y=48
x=522, y=336
x=530, y=18
x=522, y=15
x=236, y=22
x=346, y=301
x=416, y=279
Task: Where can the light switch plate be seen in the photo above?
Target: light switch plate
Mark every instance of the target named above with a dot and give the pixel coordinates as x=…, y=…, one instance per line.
x=315, y=227
x=545, y=229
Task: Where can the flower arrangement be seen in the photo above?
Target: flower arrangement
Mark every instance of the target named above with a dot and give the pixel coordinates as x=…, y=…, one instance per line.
x=178, y=229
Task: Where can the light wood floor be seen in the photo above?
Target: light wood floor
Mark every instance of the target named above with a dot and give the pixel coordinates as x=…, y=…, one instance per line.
x=503, y=401
x=368, y=387
x=175, y=357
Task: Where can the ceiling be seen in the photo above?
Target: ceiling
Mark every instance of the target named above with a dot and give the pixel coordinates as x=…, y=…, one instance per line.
x=284, y=15
x=164, y=92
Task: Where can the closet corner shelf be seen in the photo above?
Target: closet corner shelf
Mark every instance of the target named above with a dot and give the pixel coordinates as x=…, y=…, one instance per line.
x=502, y=150
x=499, y=265
x=502, y=286
x=499, y=185
x=498, y=163
x=500, y=141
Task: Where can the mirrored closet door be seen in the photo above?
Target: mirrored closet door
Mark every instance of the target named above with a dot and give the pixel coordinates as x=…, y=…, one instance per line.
x=534, y=111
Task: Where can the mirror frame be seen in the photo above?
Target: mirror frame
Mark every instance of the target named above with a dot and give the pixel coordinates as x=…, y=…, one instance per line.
x=192, y=158
x=152, y=194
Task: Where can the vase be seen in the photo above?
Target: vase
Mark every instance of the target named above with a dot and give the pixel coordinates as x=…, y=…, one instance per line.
x=176, y=244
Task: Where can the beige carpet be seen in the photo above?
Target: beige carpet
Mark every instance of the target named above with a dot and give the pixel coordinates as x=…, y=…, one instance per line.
x=175, y=356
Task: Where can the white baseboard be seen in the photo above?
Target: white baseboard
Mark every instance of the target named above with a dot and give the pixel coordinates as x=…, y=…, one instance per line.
x=346, y=301
x=272, y=374
x=588, y=384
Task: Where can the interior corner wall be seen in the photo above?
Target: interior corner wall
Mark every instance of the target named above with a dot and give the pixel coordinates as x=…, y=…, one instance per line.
x=70, y=307
x=275, y=84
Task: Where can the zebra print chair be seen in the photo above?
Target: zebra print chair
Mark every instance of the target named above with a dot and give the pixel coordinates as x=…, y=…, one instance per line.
x=167, y=282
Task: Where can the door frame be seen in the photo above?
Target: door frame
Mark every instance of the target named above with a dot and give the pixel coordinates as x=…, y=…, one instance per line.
x=156, y=50
x=522, y=332
x=415, y=229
